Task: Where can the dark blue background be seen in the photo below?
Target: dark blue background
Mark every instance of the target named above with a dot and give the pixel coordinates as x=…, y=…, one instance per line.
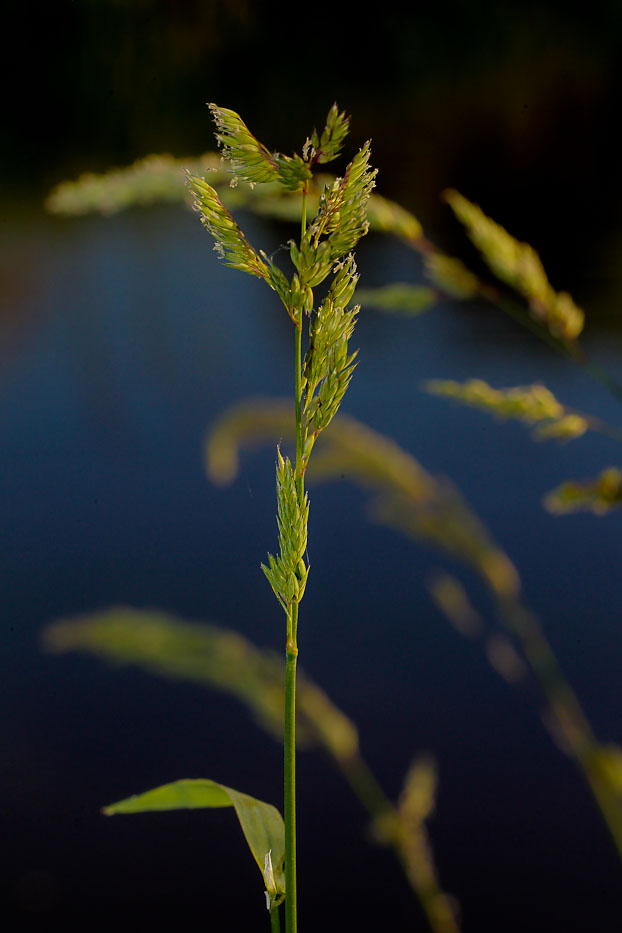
x=130, y=340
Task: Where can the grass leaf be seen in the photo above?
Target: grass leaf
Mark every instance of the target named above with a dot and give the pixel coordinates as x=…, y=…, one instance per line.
x=261, y=823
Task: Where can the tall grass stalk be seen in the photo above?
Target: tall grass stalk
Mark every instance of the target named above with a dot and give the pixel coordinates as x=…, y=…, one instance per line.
x=320, y=381
x=291, y=646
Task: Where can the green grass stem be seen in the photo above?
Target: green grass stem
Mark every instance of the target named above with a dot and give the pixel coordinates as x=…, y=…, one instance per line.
x=275, y=920
x=289, y=805
x=291, y=649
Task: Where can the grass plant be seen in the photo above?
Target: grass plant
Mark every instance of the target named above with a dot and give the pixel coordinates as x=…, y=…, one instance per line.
x=331, y=215
x=324, y=251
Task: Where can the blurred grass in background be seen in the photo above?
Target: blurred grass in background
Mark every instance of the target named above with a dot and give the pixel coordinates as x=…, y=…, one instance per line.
x=514, y=104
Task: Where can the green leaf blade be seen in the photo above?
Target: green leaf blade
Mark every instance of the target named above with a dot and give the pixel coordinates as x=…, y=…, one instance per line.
x=264, y=829
x=261, y=823
x=186, y=794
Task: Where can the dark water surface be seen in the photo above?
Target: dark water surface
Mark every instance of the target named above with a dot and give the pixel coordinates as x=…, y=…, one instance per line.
x=121, y=340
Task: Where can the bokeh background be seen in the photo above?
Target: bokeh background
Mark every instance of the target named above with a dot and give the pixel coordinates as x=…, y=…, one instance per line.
x=122, y=339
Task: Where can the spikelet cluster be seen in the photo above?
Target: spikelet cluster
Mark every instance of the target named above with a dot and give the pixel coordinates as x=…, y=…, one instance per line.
x=328, y=146
x=533, y=404
x=389, y=217
x=153, y=179
x=287, y=573
x=339, y=224
x=229, y=240
x=399, y=298
x=249, y=159
x=328, y=366
x=600, y=495
x=342, y=214
x=450, y=275
x=519, y=266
